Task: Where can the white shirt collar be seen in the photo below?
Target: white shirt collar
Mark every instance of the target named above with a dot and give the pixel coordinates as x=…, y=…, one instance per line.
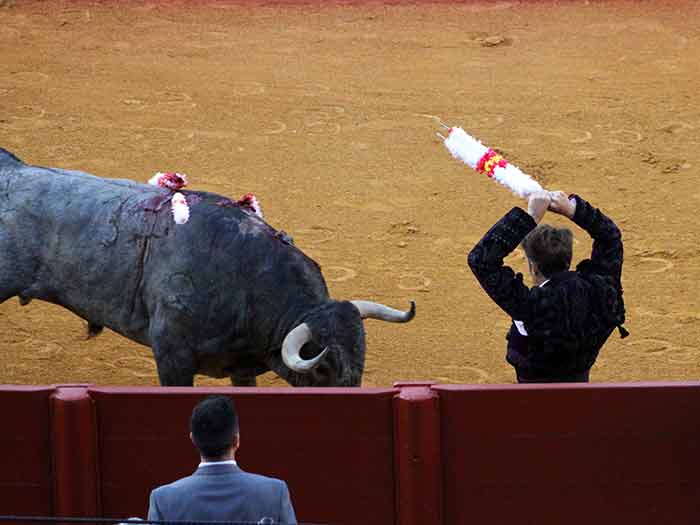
x=210, y=463
x=519, y=325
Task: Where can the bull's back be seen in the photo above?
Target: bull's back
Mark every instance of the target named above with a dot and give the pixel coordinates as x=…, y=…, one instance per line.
x=8, y=159
x=77, y=240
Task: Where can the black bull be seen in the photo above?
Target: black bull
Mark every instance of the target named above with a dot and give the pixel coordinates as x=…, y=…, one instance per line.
x=224, y=295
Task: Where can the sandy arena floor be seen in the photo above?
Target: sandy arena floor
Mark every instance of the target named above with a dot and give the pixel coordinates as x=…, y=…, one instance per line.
x=328, y=115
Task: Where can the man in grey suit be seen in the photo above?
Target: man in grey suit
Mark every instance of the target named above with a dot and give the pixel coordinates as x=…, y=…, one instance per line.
x=219, y=490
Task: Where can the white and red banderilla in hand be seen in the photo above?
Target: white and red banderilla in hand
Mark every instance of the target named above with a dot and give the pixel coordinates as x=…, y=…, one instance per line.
x=485, y=160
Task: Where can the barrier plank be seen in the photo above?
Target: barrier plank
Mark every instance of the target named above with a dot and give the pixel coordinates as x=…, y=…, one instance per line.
x=334, y=447
x=25, y=464
x=73, y=443
x=552, y=454
x=418, y=468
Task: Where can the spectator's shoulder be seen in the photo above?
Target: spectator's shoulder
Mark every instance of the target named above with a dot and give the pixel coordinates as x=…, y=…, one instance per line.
x=259, y=479
x=176, y=485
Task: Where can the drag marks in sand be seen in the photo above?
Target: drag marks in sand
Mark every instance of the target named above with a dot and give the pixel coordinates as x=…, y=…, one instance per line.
x=663, y=348
x=25, y=117
x=161, y=101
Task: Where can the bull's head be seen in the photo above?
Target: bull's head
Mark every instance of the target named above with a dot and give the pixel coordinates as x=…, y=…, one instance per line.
x=328, y=349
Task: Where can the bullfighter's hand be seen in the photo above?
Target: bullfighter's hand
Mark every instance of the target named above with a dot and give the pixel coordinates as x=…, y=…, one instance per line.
x=562, y=205
x=537, y=204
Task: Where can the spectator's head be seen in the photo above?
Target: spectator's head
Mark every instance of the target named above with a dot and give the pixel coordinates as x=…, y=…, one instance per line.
x=548, y=251
x=214, y=428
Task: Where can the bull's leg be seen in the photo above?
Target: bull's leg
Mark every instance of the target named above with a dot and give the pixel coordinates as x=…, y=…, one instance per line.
x=176, y=367
x=175, y=358
x=243, y=379
x=93, y=330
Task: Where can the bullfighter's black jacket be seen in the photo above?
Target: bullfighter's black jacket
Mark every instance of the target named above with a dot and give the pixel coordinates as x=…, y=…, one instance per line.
x=569, y=318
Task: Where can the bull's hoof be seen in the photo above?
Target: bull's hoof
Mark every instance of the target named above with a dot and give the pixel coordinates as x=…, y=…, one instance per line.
x=93, y=330
x=24, y=301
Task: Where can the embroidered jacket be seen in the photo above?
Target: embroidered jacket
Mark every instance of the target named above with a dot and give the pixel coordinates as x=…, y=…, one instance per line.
x=568, y=319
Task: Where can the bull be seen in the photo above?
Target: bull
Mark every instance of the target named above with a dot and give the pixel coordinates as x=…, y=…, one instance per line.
x=224, y=295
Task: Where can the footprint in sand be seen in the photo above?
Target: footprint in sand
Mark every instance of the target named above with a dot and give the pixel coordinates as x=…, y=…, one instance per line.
x=316, y=235
x=448, y=245
x=572, y=136
x=320, y=127
x=26, y=78
x=318, y=121
x=66, y=151
x=625, y=137
x=465, y=374
x=274, y=127
x=45, y=351
x=166, y=101
x=677, y=127
x=338, y=274
x=371, y=206
x=650, y=345
x=247, y=88
x=656, y=264
x=414, y=282
x=677, y=354
x=310, y=90
x=136, y=366
x=25, y=117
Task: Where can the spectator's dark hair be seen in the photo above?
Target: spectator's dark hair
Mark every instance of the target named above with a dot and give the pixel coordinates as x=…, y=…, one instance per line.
x=214, y=426
x=550, y=248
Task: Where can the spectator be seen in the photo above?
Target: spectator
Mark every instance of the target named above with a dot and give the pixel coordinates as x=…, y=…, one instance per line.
x=559, y=325
x=219, y=490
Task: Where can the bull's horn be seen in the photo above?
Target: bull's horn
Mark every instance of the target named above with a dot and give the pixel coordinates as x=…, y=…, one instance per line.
x=291, y=346
x=370, y=310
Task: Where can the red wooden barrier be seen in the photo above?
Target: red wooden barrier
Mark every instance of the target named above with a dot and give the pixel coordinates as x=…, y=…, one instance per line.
x=418, y=469
x=73, y=442
x=334, y=447
x=544, y=454
x=25, y=461
x=603, y=454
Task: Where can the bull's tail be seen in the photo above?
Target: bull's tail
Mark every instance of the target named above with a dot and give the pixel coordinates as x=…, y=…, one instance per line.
x=8, y=159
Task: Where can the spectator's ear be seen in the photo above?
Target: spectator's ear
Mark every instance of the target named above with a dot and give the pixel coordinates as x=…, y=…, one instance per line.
x=236, y=441
x=192, y=440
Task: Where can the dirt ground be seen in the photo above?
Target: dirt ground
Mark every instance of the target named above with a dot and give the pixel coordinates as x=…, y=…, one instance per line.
x=328, y=114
